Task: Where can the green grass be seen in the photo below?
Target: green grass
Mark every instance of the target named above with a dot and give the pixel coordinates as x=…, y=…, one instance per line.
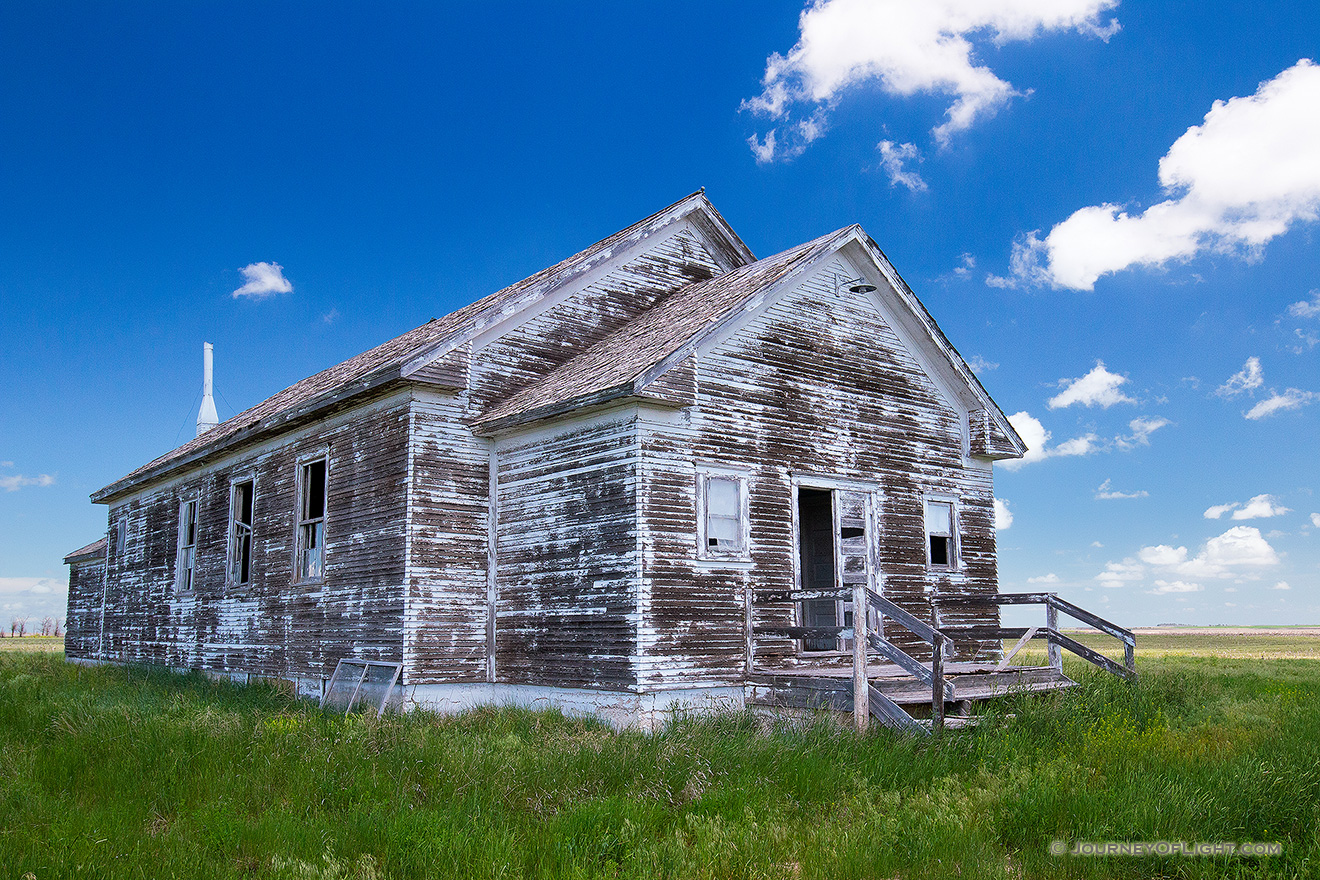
x=112, y=772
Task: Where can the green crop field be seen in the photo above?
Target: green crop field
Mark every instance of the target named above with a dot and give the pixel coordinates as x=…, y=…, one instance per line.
x=113, y=772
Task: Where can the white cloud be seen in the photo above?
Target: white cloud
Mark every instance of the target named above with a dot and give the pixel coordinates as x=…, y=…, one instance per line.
x=1281, y=585
x=1141, y=429
x=1249, y=378
x=892, y=157
x=909, y=49
x=1050, y=578
x=1033, y=433
x=1292, y=398
x=1162, y=587
x=1306, y=309
x=261, y=280
x=1097, y=388
x=1225, y=556
x=1315, y=520
x=1116, y=574
x=1260, y=507
x=1106, y=492
x=980, y=364
x=14, y=482
x=965, y=271
x=1243, y=177
x=1003, y=516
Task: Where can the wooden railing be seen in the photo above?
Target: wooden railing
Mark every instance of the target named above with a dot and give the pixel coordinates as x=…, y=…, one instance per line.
x=867, y=699
x=1050, y=631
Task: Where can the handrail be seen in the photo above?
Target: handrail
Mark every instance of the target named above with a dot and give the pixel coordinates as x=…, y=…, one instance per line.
x=1053, y=605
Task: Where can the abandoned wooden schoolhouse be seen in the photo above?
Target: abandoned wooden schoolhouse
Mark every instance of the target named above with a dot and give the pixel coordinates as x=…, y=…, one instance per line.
x=659, y=475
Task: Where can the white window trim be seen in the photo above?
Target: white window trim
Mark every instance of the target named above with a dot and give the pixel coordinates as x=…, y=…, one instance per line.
x=302, y=462
x=955, y=556
x=705, y=552
x=234, y=482
x=180, y=547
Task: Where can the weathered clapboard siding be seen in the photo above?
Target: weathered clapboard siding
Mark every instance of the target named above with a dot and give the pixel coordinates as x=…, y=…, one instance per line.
x=521, y=355
x=271, y=626
x=567, y=554
x=82, y=621
x=818, y=384
x=445, y=620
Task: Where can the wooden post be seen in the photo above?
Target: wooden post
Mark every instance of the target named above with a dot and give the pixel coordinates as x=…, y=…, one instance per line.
x=937, y=684
x=861, y=687
x=1052, y=623
x=1130, y=657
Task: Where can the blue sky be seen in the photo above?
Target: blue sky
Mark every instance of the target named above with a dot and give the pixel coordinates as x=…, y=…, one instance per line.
x=1045, y=175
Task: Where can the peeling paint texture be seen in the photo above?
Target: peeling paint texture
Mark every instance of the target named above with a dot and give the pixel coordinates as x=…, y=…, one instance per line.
x=514, y=500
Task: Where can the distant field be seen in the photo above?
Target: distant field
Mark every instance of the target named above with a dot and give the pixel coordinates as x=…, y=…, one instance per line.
x=31, y=644
x=1226, y=643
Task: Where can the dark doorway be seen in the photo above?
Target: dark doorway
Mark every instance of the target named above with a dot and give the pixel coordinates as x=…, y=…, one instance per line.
x=816, y=528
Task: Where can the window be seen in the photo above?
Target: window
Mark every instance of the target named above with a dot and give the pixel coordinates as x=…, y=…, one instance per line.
x=187, y=545
x=940, y=534
x=311, y=521
x=121, y=537
x=240, y=532
x=723, y=517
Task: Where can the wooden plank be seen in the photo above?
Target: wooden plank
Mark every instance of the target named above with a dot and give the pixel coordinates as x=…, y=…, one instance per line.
x=937, y=685
x=892, y=714
x=805, y=632
x=1092, y=620
x=918, y=627
x=1022, y=643
x=770, y=597
x=909, y=663
x=1094, y=657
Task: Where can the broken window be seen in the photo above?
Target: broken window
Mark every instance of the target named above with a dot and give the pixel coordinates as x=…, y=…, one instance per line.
x=722, y=516
x=187, y=545
x=240, y=532
x=940, y=534
x=311, y=520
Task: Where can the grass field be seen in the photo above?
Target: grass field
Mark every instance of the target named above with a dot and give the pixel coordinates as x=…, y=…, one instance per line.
x=136, y=773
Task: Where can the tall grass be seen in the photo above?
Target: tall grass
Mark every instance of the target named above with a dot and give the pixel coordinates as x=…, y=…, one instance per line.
x=138, y=773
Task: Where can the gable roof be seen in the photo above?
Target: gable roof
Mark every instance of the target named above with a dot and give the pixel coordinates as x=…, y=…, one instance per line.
x=394, y=360
x=625, y=363
x=613, y=367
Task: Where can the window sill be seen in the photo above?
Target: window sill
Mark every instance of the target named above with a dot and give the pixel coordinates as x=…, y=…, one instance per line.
x=723, y=562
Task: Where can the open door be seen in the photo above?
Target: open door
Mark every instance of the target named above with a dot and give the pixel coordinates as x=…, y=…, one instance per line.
x=834, y=550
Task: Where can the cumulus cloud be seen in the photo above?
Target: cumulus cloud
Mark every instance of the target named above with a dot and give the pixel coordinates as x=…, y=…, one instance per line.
x=261, y=280
x=1243, y=177
x=1141, y=430
x=1163, y=587
x=1050, y=578
x=14, y=482
x=1097, y=388
x=1306, y=309
x=1116, y=574
x=1003, y=516
x=1037, y=438
x=980, y=364
x=1259, y=507
x=1281, y=585
x=908, y=49
x=892, y=157
x=1235, y=552
x=1249, y=378
x=1315, y=520
x=1106, y=492
x=32, y=598
x=1292, y=398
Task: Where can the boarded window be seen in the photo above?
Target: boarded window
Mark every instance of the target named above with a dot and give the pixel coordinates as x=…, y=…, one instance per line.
x=311, y=521
x=187, y=545
x=939, y=533
x=723, y=516
x=121, y=537
x=240, y=524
